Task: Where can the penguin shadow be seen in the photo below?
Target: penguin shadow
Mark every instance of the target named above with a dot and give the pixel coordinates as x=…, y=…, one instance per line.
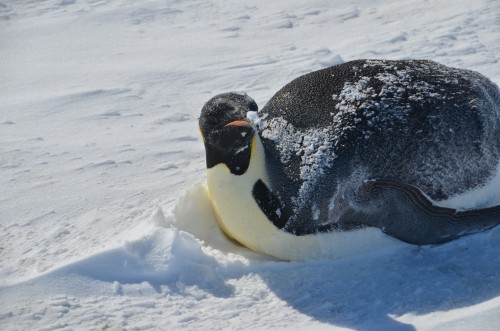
x=389, y=290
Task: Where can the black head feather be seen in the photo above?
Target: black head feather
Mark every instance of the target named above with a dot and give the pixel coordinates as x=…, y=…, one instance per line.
x=228, y=141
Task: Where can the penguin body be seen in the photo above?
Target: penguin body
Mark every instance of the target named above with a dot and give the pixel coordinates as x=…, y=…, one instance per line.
x=367, y=149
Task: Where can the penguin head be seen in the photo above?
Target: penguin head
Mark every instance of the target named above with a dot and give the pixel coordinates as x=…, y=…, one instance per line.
x=226, y=131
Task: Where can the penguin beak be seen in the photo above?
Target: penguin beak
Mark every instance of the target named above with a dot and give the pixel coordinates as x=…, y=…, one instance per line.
x=238, y=123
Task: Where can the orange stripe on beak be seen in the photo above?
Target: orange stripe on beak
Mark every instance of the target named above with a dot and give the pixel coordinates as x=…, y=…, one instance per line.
x=238, y=123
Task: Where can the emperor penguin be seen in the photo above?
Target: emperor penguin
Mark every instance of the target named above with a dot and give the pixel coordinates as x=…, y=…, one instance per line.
x=359, y=155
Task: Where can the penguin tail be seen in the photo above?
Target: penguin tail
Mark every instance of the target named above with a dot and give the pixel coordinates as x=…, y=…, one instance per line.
x=404, y=212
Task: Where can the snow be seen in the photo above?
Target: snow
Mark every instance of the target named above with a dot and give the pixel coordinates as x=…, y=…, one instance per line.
x=104, y=218
x=254, y=118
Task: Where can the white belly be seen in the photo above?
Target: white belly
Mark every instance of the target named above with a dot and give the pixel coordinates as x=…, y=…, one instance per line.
x=242, y=219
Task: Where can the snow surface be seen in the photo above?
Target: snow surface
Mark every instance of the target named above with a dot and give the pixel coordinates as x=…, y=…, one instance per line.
x=104, y=218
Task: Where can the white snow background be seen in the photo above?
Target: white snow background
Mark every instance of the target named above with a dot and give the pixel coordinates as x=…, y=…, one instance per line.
x=104, y=218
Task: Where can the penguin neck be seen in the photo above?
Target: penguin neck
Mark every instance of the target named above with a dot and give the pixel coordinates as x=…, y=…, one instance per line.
x=257, y=165
x=256, y=170
x=236, y=210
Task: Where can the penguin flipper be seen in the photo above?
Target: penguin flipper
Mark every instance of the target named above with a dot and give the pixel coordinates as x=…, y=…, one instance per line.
x=404, y=212
x=269, y=204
